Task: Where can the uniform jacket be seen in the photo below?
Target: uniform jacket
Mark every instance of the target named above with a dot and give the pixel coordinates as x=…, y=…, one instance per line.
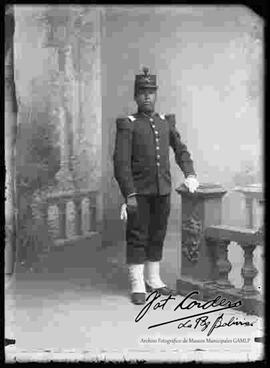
x=141, y=154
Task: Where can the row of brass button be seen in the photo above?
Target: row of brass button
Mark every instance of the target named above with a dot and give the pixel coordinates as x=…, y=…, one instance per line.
x=157, y=140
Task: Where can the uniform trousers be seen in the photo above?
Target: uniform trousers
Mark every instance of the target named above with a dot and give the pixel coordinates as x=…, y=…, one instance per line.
x=146, y=228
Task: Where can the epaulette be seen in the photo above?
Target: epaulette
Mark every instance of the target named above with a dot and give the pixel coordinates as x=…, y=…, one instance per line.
x=131, y=118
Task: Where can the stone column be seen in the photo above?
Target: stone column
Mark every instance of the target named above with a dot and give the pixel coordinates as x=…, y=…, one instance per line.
x=59, y=21
x=199, y=210
x=73, y=34
x=64, y=176
x=10, y=140
x=88, y=126
x=252, y=193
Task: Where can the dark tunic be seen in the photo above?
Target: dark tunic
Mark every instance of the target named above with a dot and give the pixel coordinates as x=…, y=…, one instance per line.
x=141, y=155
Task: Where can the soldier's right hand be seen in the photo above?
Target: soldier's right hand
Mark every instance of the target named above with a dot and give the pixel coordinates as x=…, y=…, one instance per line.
x=123, y=212
x=132, y=202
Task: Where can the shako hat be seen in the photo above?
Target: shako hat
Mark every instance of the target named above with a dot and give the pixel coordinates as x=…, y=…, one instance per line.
x=145, y=80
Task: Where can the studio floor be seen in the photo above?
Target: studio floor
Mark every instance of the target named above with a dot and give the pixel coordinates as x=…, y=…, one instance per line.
x=77, y=308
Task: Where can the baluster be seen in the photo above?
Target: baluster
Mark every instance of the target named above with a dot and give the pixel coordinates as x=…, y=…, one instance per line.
x=249, y=271
x=44, y=218
x=44, y=212
x=249, y=210
x=223, y=264
x=211, y=251
x=92, y=213
x=78, y=216
x=62, y=219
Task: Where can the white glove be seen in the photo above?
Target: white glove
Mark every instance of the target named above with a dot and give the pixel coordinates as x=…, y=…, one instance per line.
x=123, y=212
x=191, y=183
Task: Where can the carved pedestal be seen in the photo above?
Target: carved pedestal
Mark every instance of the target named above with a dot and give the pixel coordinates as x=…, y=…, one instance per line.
x=199, y=210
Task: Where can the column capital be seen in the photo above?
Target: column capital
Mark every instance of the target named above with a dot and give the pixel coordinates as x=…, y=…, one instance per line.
x=252, y=191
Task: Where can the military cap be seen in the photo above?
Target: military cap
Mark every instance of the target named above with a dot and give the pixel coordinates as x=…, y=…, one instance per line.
x=145, y=80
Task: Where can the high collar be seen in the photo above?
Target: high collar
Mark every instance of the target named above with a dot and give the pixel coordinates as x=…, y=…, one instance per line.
x=140, y=113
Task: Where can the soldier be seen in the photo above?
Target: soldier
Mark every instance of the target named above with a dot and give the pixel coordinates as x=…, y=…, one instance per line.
x=142, y=170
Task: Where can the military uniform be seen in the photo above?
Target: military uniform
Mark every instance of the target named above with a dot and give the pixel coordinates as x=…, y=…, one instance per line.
x=142, y=168
x=141, y=157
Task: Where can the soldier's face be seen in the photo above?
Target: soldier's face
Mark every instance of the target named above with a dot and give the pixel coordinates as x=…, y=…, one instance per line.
x=146, y=99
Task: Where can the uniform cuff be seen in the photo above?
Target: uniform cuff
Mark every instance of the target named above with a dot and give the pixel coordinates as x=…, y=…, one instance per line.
x=131, y=195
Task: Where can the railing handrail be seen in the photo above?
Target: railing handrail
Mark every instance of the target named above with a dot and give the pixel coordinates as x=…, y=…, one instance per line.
x=71, y=194
x=241, y=235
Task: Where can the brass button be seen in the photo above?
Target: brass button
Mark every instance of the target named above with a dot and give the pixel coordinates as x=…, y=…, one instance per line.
x=158, y=157
x=151, y=120
x=158, y=164
x=156, y=132
x=157, y=147
x=157, y=139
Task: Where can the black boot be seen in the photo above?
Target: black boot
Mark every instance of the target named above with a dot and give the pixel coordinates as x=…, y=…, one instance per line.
x=138, y=298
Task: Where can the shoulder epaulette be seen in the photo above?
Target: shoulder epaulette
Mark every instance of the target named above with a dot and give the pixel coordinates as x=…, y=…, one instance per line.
x=162, y=116
x=131, y=118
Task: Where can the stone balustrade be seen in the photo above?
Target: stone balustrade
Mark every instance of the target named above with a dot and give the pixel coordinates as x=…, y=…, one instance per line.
x=218, y=238
x=60, y=200
x=205, y=265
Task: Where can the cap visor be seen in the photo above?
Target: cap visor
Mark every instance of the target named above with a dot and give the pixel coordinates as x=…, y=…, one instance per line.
x=147, y=87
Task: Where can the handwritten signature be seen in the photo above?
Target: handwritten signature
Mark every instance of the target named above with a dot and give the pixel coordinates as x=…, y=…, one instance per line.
x=202, y=321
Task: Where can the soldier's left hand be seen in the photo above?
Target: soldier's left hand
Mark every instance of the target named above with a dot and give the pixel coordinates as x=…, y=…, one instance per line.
x=191, y=183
